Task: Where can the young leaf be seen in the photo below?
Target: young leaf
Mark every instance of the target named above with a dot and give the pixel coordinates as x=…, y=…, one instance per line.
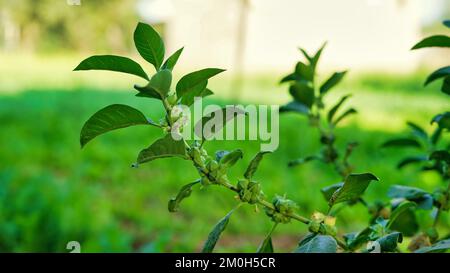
x=147, y=91
x=443, y=120
x=335, y=108
x=350, y=111
x=304, y=72
x=112, y=63
x=388, y=243
x=220, y=154
x=316, y=57
x=266, y=246
x=302, y=93
x=404, y=206
x=354, y=186
x=417, y=130
x=302, y=160
x=436, y=135
x=191, y=81
x=253, y=166
x=401, y=142
x=172, y=60
x=214, y=235
x=433, y=41
x=328, y=191
x=332, y=81
x=185, y=191
x=437, y=247
x=294, y=106
x=317, y=244
x=149, y=44
x=410, y=160
x=163, y=147
x=161, y=82
x=231, y=158
x=440, y=73
x=290, y=77
x=111, y=118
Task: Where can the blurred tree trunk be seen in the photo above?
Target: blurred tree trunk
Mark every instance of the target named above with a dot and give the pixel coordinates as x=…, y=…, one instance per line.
x=240, y=49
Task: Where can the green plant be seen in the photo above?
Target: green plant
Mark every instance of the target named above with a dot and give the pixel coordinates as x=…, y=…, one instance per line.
x=308, y=99
x=212, y=170
x=433, y=156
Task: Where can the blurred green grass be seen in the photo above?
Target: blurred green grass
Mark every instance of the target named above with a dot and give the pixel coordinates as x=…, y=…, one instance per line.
x=52, y=192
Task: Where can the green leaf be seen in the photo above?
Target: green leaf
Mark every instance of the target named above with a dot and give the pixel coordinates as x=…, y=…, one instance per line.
x=294, y=106
x=214, y=235
x=388, y=243
x=161, y=148
x=446, y=23
x=172, y=60
x=433, y=41
x=443, y=120
x=185, y=191
x=302, y=93
x=423, y=199
x=304, y=72
x=335, y=108
x=354, y=186
x=354, y=240
x=446, y=85
x=266, y=246
x=189, y=98
x=147, y=91
x=410, y=160
x=231, y=158
x=290, y=77
x=328, y=191
x=227, y=113
x=193, y=80
x=110, y=118
x=112, y=63
x=406, y=223
x=332, y=81
x=401, y=142
x=149, y=44
x=220, y=154
x=417, y=130
x=302, y=160
x=317, y=244
x=253, y=166
x=161, y=82
x=440, y=73
x=437, y=247
x=404, y=206
x=349, y=112
x=436, y=135
x=314, y=59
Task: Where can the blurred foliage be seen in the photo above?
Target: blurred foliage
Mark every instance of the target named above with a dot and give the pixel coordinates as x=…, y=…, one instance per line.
x=49, y=25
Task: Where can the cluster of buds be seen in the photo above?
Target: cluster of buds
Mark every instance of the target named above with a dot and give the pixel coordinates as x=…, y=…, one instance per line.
x=322, y=224
x=249, y=191
x=211, y=172
x=282, y=209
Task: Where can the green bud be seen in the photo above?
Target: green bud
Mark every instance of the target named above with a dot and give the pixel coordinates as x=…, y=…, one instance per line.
x=314, y=226
x=172, y=99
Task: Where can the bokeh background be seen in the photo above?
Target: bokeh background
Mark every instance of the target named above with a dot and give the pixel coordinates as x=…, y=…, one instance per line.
x=52, y=192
